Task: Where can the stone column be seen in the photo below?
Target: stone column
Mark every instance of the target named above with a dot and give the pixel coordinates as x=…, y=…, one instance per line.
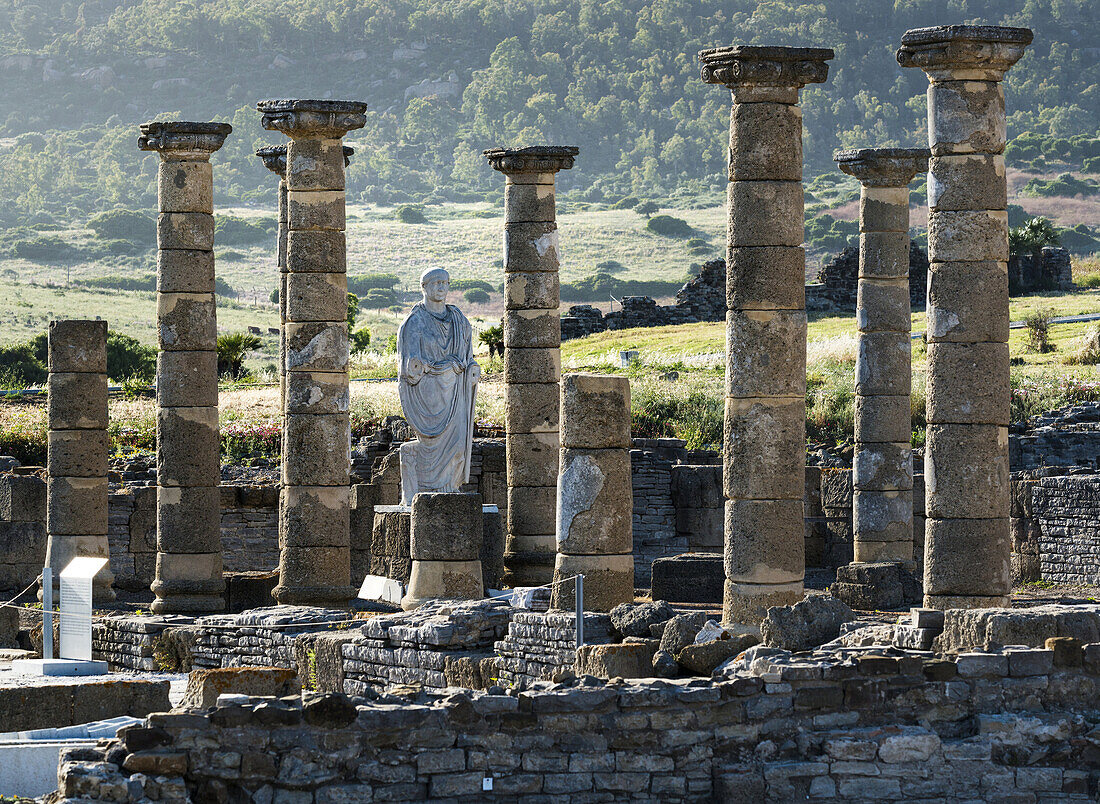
x=314, y=524
x=189, y=548
x=445, y=544
x=77, y=448
x=274, y=159
x=967, y=541
x=883, y=464
x=764, y=450
x=532, y=356
x=595, y=499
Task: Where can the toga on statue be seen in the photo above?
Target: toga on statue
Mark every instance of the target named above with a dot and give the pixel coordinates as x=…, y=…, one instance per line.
x=437, y=383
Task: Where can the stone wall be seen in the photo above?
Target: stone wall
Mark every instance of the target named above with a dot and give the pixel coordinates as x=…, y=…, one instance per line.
x=542, y=646
x=838, y=281
x=1056, y=528
x=1066, y=437
x=1051, y=269
x=871, y=727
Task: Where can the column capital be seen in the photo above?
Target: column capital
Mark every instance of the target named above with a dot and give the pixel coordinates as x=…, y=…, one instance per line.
x=535, y=159
x=274, y=158
x=179, y=140
x=752, y=65
x=883, y=167
x=963, y=52
x=330, y=119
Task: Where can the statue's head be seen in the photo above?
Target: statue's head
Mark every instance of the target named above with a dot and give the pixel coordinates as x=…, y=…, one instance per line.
x=436, y=283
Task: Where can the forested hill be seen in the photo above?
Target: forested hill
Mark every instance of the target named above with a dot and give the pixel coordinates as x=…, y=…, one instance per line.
x=446, y=78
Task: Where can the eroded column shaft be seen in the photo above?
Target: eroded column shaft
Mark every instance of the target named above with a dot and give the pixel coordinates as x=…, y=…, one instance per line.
x=967, y=541
x=77, y=449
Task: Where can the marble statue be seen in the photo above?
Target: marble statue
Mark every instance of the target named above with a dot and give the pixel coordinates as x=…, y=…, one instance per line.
x=437, y=384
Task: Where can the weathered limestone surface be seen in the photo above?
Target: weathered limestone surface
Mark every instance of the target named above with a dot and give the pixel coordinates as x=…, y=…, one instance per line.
x=315, y=559
x=189, y=563
x=967, y=311
x=532, y=341
x=765, y=431
x=595, y=502
x=76, y=462
x=446, y=535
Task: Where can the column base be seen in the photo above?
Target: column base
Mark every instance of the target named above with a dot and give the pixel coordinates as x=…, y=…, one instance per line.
x=443, y=580
x=331, y=597
x=527, y=568
x=944, y=602
x=745, y=605
x=188, y=604
x=608, y=581
x=877, y=586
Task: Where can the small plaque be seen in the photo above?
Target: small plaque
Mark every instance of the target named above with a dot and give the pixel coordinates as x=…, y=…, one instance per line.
x=75, y=583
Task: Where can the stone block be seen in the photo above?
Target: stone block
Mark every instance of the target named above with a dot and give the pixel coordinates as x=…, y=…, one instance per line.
x=188, y=519
x=882, y=419
x=966, y=117
x=530, y=247
x=765, y=213
x=765, y=353
x=316, y=252
x=185, y=187
x=314, y=516
x=982, y=665
x=532, y=365
x=766, y=278
x=22, y=498
x=529, y=203
x=187, y=322
x=608, y=581
x=532, y=459
x=697, y=487
x=764, y=541
x=532, y=329
x=967, y=182
x=884, y=255
x=492, y=549
x=595, y=502
x=187, y=379
x=965, y=557
x=968, y=236
x=316, y=297
x=701, y=526
x=185, y=271
x=446, y=527
x=765, y=142
x=1035, y=662
x=968, y=301
x=688, y=578
x=77, y=401
x=910, y=637
x=884, y=209
x=314, y=163
x=1066, y=651
x=307, y=568
x=76, y=506
x=764, y=448
x=77, y=346
x=595, y=411
x=206, y=684
x=317, y=346
x=185, y=230
x=883, y=516
x=804, y=624
x=317, y=392
x=443, y=580
x=315, y=210
x=188, y=447
x=532, y=510
x=968, y=383
x=318, y=450
x=870, y=552
x=883, y=364
x=882, y=305
x=77, y=453
x=532, y=290
x=622, y=660
x=531, y=408
x=966, y=471
x=883, y=467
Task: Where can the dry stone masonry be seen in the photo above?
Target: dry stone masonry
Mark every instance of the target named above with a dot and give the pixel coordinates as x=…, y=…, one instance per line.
x=595, y=503
x=967, y=542
x=764, y=438
x=315, y=559
x=189, y=560
x=532, y=354
x=76, y=465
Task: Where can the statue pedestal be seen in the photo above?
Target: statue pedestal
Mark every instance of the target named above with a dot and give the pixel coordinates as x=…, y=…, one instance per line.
x=446, y=535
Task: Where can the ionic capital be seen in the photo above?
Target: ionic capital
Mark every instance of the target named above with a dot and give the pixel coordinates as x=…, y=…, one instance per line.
x=883, y=167
x=303, y=119
x=183, y=141
x=963, y=52
x=751, y=65
x=535, y=159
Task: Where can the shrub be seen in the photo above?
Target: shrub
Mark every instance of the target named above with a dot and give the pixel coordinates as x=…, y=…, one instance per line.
x=1066, y=185
x=410, y=213
x=231, y=230
x=128, y=358
x=378, y=298
x=664, y=411
x=231, y=351
x=625, y=203
x=471, y=284
x=23, y=434
x=364, y=283
x=21, y=365
x=668, y=226
x=274, y=297
x=353, y=310
x=45, y=248
x=1038, y=331
x=124, y=224
x=1089, y=281
x=360, y=340
x=493, y=337
x=250, y=438
x=646, y=208
x=610, y=267
x=1088, y=354
x=223, y=288
x=476, y=296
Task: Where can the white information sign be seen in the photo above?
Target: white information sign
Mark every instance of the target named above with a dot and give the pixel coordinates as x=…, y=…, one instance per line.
x=75, y=582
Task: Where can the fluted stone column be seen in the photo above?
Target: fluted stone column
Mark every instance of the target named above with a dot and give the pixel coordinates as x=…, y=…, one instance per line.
x=764, y=449
x=189, y=547
x=314, y=529
x=595, y=497
x=967, y=541
x=77, y=448
x=532, y=356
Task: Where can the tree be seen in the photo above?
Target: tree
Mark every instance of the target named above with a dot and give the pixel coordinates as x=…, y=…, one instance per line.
x=232, y=348
x=476, y=296
x=1032, y=236
x=360, y=340
x=353, y=310
x=647, y=208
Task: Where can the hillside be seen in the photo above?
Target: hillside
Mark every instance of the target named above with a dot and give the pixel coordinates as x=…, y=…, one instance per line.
x=445, y=79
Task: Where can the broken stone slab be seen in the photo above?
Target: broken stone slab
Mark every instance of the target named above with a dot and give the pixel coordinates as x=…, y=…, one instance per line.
x=876, y=586
x=621, y=660
x=681, y=630
x=966, y=629
x=688, y=578
x=703, y=658
x=635, y=619
x=806, y=624
x=205, y=685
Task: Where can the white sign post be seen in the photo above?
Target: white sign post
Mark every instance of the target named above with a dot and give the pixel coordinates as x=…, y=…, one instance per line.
x=75, y=649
